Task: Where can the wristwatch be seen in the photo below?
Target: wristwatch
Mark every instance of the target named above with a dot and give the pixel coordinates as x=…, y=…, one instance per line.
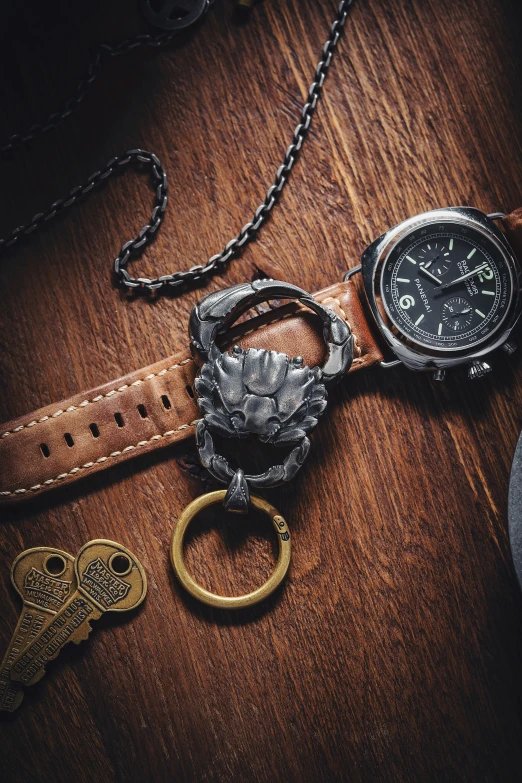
x=438, y=290
x=444, y=290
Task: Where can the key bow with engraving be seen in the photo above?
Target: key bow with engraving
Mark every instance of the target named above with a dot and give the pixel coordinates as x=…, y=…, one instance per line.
x=109, y=578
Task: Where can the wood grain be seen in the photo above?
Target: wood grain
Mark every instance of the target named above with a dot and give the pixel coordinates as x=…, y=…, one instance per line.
x=394, y=651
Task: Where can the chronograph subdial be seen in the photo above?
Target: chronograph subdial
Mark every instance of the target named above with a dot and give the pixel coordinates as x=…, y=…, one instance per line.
x=456, y=313
x=436, y=258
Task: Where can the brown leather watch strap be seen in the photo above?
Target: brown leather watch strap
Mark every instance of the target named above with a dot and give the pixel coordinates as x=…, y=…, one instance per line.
x=155, y=406
x=512, y=225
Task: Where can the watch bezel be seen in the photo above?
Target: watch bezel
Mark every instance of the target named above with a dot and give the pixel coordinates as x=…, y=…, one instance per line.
x=413, y=355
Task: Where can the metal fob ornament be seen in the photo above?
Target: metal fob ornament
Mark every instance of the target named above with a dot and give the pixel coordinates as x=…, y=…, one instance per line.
x=260, y=393
x=174, y=14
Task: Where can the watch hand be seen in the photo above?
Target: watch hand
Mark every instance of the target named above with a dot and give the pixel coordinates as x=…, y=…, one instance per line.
x=424, y=271
x=463, y=312
x=479, y=268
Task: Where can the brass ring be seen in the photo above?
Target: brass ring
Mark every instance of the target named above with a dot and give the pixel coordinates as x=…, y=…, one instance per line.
x=222, y=601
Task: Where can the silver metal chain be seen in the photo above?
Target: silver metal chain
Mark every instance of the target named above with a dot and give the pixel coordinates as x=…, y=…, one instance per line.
x=134, y=247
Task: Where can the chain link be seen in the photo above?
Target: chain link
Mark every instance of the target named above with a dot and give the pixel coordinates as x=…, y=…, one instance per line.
x=134, y=247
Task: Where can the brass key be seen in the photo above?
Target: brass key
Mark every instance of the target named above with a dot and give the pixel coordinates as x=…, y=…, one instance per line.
x=44, y=577
x=110, y=579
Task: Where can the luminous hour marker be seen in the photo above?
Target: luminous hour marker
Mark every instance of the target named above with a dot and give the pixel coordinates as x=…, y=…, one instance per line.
x=405, y=280
x=429, y=247
x=479, y=313
x=439, y=330
x=446, y=254
x=411, y=259
x=419, y=319
x=451, y=244
x=472, y=253
x=489, y=293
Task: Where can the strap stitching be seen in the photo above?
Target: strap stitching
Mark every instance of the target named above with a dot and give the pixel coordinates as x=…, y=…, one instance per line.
x=123, y=388
x=150, y=377
x=96, y=399
x=100, y=460
x=138, y=382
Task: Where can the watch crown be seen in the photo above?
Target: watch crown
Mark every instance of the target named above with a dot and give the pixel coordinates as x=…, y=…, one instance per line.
x=510, y=347
x=478, y=369
x=439, y=374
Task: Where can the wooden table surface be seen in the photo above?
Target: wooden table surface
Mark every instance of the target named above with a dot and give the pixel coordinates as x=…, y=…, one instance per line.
x=394, y=651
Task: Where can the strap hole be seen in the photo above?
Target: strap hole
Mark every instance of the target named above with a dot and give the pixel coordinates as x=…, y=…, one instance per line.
x=119, y=420
x=94, y=430
x=142, y=411
x=190, y=391
x=44, y=448
x=69, y=439
x=166, y=402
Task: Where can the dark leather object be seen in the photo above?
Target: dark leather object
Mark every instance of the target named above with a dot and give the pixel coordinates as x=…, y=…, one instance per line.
x=515, y=510
x=512, y=226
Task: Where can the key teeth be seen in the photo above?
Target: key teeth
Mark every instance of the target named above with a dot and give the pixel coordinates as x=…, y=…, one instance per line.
x=37, y=677
x=83, y=632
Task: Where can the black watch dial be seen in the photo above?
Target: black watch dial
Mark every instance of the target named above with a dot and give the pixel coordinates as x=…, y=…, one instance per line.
x=446, y=286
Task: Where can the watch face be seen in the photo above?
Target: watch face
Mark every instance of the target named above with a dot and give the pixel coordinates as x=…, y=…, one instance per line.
x=446, y=286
